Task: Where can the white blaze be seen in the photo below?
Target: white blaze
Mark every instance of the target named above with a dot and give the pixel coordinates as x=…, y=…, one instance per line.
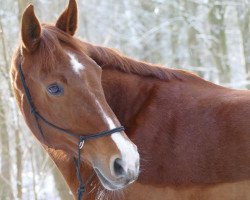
x=75, y=64
x=130, y=155
x=108, y=120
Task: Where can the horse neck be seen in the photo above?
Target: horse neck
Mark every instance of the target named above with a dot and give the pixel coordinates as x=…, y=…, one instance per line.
x=125, y=93
x=109, y=58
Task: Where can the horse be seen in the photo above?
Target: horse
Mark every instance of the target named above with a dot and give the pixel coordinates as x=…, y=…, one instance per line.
x=189, y=136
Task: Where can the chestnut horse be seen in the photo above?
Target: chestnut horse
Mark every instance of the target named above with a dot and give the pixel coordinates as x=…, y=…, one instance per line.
x=193, y=136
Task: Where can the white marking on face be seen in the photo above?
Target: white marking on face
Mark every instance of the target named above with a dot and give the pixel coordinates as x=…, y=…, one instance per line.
x=75, y=64
x=108, y=120
x=129, y=153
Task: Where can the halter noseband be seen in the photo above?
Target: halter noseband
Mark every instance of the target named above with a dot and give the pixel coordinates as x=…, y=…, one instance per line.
x=82, y=138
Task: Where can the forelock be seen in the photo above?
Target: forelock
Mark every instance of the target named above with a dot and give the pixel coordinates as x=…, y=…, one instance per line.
x=54, y=46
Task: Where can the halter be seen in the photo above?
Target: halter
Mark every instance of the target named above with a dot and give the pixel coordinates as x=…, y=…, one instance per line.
x=82, y=138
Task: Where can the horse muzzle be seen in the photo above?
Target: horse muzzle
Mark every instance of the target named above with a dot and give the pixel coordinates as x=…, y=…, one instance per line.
x=121, y=175
x=117, y=184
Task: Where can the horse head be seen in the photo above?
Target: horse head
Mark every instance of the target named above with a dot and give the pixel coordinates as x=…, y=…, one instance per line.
x=65, y=86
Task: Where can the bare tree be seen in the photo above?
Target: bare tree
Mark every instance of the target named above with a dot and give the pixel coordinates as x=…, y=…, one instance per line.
x=5, y=176
x=210, y=38
x=61, y=186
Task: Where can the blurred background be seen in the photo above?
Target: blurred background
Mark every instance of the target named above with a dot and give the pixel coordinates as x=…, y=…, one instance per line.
x=208, y=37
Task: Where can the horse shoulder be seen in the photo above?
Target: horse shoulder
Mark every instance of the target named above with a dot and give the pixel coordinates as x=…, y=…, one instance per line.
x=226, y=191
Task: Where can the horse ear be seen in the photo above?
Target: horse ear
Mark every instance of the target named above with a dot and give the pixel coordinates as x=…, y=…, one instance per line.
x=30, y=30
x=67, y=22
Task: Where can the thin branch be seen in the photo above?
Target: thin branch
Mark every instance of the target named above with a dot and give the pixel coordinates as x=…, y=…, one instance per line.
x=3, y=45
x=4, y=70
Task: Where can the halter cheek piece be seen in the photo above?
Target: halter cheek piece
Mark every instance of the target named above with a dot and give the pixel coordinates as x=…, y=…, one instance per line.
x=82, y=138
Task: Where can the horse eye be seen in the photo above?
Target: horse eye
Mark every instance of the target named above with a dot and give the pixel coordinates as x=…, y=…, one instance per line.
x=55, y=90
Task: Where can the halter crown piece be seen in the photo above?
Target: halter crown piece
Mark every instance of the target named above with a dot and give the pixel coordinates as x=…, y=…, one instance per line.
x=82, y=138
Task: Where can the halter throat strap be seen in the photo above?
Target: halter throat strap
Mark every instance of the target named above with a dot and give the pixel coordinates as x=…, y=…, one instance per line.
x=82, y=138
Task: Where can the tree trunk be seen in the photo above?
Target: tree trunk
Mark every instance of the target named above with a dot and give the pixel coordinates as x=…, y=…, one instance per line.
x=61, y=186
x=19, y=165
x=5, y=178
x=235, y=49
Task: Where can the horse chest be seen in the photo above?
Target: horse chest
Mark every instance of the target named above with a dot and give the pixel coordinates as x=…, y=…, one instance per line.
x=226, y=191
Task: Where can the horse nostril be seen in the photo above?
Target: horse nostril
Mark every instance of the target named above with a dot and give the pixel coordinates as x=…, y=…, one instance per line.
x=118, y=168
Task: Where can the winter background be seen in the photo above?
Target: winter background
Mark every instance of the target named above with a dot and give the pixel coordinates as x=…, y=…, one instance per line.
x=209, y=37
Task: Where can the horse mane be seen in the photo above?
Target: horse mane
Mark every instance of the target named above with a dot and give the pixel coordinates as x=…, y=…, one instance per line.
x=53, y=40
x=110, y=58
